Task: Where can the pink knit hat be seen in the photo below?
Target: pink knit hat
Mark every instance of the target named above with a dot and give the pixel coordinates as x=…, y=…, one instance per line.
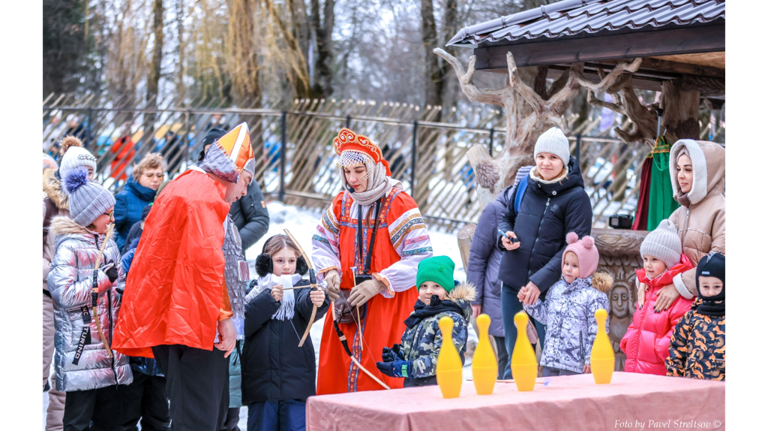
x=585, y=251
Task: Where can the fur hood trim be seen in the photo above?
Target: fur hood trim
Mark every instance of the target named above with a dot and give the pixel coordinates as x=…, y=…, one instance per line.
x=463, y=292
x=602, y=281
x=52, y=188
x=62, y=225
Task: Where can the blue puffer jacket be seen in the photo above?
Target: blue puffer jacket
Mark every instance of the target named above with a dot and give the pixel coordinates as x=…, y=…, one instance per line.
x=130, y=203
x=548, y=211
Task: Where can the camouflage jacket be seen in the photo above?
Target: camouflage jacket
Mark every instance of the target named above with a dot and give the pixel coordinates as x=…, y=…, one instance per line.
x=421, y=343
x=697, y=347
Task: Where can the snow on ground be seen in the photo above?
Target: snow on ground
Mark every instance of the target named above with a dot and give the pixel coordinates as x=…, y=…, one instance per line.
x=301, y=223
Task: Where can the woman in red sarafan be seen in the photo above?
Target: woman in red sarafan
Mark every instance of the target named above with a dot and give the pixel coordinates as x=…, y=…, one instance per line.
x=384, y=289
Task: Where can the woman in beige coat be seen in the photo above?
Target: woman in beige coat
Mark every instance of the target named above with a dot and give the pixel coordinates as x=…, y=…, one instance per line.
x=699, y=186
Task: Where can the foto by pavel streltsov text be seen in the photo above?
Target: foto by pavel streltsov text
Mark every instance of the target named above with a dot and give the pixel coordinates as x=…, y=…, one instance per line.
x=651, y=424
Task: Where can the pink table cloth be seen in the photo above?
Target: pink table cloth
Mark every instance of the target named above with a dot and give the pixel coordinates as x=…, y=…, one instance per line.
x=631, y=401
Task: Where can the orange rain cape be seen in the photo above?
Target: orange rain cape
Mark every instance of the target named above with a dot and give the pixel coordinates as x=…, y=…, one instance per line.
x=175, y=291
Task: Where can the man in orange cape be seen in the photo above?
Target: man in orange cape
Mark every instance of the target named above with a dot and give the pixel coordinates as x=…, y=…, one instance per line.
x=176, y=303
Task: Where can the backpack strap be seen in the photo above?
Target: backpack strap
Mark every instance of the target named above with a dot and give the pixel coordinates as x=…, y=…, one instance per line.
x=522, y=186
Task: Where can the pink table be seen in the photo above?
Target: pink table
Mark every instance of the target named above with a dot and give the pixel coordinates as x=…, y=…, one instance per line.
x=631, y=401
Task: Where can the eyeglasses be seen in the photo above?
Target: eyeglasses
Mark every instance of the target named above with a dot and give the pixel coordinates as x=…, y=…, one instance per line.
x=110, y=214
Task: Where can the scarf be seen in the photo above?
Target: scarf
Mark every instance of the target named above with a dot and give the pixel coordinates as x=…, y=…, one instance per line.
x=421, y=310
x=286, y=310
x=233, y=255
x=711, y=307
x=534, y=174
x=665, y=277
x=379, y=184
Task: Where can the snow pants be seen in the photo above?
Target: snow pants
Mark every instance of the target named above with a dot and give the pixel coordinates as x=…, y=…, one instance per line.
x=103, y=407
x=289, y=415
x=510, y=306
x=54, y=416
x=197, y=384
x=554, y=372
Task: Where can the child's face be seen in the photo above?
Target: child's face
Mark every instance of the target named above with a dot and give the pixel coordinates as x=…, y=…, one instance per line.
x=710, y=286
x=571, y=269
x=429, y=288
x=284, y=262
x=653, y=267
x=101, y=224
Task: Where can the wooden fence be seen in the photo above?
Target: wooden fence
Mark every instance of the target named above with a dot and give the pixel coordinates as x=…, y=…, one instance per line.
x=295, y=147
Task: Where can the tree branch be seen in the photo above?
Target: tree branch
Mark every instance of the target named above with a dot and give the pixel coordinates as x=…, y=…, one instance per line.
x=473, y=93
x=612, y=78
x=517, y=84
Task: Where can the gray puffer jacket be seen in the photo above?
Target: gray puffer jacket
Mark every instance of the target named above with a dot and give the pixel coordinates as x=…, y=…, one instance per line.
x=70, y=283
x=569, y=313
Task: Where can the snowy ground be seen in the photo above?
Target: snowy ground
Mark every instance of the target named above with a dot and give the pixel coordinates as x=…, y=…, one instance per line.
x=301, y=223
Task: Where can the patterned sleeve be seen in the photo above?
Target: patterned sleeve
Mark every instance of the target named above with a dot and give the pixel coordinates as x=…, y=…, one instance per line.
x=600, y=300
x=325, y=241
x=678, y=348
x=410, y=239
x=426, y=363
x=538, y=310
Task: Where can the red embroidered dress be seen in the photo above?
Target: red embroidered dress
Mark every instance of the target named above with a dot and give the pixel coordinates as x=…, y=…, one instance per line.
x=401, y=243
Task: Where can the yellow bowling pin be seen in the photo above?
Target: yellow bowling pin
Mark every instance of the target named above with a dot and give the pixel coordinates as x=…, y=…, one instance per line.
x=449, y=374
x=485, y=367
x=524, y=366
x=602, y=359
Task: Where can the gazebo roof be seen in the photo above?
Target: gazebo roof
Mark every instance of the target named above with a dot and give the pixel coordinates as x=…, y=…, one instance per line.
x=578, y=17
x=675, y=38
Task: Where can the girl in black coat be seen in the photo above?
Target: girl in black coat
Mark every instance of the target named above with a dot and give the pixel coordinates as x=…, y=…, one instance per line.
x=553, y=204
x=277, y=375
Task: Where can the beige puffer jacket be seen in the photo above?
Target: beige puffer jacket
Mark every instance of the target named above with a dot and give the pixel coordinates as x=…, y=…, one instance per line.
x=52, y=189
x=702, y=225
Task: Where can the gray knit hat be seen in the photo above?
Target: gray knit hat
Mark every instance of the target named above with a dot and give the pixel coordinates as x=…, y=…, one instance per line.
x=87, y=200
x=664, y=244
x=553, y=141
x=74, y=157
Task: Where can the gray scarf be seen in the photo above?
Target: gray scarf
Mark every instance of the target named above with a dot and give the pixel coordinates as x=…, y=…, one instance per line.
x=379, y=184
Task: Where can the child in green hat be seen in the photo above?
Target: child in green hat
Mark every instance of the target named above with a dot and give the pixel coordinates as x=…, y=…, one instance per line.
x=415, y=358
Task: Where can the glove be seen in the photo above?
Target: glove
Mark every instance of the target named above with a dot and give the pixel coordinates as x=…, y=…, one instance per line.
x=391, y=355
x=110, y=271
x=395, y=368
x=332, y=279
x=365, y=291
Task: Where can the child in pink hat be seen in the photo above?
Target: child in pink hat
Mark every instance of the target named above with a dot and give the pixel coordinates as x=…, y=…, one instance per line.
x=569, y=309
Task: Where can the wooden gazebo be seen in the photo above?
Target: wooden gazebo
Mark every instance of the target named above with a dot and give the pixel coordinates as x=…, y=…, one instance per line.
x=676, y=47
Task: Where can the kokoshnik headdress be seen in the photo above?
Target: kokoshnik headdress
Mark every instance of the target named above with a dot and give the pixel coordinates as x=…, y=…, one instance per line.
x=354, y=150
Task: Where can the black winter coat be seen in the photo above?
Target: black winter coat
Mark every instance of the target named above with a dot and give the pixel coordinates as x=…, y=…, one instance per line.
x=250, y=216
x=274, y=367
x=547, y=213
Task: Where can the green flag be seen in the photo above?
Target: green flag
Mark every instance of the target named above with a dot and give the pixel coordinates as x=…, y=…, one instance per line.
x=662, y=202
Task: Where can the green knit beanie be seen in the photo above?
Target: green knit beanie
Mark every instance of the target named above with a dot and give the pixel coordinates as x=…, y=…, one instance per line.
x=437, y=269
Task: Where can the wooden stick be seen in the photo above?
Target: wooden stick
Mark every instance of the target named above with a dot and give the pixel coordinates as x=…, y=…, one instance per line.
x=311, y=276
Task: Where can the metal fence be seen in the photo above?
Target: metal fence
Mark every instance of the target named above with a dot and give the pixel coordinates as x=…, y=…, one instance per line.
x=297, y=157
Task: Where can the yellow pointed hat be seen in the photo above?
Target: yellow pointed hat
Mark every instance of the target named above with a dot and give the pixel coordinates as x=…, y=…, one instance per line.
x=237, y=145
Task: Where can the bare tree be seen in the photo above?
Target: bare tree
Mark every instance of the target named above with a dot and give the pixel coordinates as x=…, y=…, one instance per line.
x=323, y=86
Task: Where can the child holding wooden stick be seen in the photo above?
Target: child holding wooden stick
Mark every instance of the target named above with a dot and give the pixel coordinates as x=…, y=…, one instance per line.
x=84, y=283
x=278, y=375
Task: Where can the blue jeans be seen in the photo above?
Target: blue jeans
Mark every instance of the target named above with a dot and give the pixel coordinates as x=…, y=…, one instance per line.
x=289, y=415
x=510, y=306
